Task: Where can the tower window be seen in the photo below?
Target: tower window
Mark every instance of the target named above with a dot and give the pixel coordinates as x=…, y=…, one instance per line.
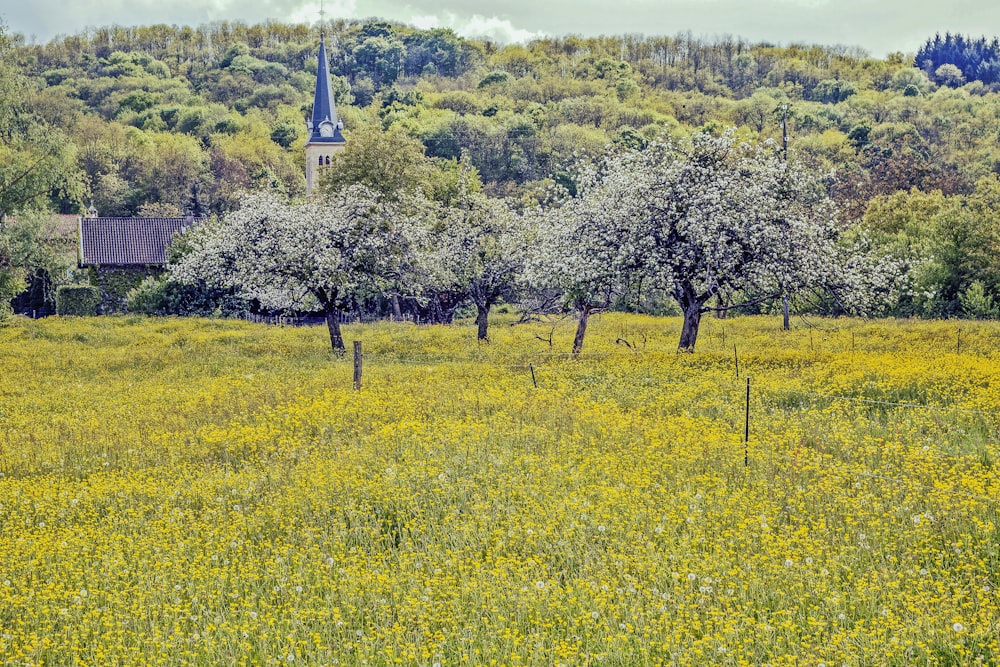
x=321, y=160
x=328, y=159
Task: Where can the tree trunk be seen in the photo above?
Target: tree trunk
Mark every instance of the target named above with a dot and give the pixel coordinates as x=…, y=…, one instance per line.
x=689, y=334
x=687, y=299
x=784, y=311
x=483, y=321
x=581, y=330
x=723, y=310
x=333, y=324
x=397, y=312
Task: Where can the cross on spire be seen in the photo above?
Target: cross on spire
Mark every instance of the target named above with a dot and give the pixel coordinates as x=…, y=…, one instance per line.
x=322, y=15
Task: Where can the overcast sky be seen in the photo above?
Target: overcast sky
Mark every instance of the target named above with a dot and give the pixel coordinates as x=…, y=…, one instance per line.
x=879, y=26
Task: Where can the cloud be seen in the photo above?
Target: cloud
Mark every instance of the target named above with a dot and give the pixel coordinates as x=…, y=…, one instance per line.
x=477, y=26
x=881, y=27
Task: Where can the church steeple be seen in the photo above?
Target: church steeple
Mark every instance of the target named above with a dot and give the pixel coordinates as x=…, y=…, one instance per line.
x=325, y=137
x=324, y=108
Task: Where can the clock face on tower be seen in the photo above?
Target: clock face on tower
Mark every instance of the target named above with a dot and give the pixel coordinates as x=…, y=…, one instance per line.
x=326, y=129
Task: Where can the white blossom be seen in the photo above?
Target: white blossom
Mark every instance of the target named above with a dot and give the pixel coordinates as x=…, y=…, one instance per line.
x=318, y=254
x=708, y=220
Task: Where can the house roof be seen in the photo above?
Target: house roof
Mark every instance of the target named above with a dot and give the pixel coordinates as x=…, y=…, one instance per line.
x=128, y=241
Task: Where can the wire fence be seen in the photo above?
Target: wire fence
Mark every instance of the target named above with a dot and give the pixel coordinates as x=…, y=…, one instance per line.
x=741, y=398
x=540, y=367
x=896, y=404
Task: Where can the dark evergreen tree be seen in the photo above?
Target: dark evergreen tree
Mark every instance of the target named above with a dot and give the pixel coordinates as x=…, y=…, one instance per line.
x=195, y=206
x=978, y=59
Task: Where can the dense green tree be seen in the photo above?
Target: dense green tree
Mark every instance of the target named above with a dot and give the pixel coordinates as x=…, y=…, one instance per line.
x=36, y=161
x=388, y=162
x=31, y=255
x=948, y=244
x=12, y=276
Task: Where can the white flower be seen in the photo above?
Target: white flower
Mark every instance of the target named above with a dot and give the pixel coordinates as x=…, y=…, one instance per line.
x=958, y=627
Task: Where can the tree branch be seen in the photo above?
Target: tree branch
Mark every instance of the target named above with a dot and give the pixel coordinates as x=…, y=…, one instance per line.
x=752, y=302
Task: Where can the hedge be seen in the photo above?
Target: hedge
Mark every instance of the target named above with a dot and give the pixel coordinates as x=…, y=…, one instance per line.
x=77, y=300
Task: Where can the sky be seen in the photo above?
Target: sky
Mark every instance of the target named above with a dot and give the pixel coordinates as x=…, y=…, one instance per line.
x=878, y=26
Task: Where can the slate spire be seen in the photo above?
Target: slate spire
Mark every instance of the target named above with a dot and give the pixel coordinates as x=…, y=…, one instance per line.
x=324, y=126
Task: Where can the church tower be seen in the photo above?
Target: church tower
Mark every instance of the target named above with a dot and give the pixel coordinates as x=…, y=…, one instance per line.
x=325, y=138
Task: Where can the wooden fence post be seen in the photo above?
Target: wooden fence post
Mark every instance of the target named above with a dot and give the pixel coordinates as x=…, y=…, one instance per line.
x=357, y=365
x=746, y=431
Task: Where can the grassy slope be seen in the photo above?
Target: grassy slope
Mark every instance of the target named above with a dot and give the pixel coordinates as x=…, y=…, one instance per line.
x=215, y=493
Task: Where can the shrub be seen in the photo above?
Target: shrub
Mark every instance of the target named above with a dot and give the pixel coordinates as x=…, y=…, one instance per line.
x=81, y=300
x=495, y=77
x=977, y=303
x=161, y=296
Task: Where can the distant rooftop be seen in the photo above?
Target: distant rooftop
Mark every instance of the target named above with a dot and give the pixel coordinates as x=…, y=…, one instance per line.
x=128, y=241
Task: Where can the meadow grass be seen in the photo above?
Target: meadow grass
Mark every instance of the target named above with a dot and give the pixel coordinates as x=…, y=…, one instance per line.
x=198, y=492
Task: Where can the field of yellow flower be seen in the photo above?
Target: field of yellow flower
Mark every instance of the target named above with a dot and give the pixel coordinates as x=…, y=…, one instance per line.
x=196, y=492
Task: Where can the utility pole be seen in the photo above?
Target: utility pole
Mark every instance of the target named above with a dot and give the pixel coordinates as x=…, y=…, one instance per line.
x=784, y=155
x=784, y=131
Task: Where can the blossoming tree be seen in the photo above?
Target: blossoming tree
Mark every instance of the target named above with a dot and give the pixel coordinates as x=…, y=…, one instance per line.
x=708, y=219
x=325, y=252
x=474, y=247
x=584, y=244
x=722, y=218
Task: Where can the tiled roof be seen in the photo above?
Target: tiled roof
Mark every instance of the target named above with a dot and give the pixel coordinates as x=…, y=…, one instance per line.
x=127, y=241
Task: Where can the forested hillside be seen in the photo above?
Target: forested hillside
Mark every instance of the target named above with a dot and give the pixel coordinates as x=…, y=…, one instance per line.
x=149, y=110
x=131, y=118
